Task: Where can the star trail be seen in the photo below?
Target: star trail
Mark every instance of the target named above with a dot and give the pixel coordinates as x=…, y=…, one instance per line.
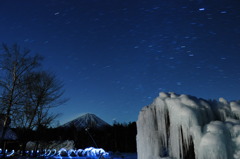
x=115, y=56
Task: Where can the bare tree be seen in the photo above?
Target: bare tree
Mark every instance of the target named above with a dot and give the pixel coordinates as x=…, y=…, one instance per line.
x=15, y=64
x=27, y=94
x=43, y=92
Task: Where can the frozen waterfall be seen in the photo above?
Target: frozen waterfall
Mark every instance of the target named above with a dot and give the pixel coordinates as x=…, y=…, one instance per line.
x=182, y=127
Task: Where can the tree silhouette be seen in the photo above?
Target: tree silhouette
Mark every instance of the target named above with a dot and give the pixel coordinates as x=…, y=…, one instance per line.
x=27, y=94
x=15, y=64
x=43, y=92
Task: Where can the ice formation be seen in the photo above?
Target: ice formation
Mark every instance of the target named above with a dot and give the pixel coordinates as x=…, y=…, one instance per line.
x=182, y=127
x=88, y=152
x=8, y=154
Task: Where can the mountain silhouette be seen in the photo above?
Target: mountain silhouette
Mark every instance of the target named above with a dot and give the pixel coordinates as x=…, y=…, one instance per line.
x=87, y=120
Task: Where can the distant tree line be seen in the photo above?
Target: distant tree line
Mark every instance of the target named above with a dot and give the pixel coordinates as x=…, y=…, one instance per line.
x=117, y=138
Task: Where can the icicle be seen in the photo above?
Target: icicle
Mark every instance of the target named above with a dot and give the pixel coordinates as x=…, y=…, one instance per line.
x=181, y=126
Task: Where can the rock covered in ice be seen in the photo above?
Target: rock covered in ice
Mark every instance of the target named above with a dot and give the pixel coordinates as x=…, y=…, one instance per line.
x=182, y=126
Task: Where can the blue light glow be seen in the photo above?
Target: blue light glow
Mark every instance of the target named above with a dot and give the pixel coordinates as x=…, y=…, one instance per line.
x=64, y=153
x=6, y=152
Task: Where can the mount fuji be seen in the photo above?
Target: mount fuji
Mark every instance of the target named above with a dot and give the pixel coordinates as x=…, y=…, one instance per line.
x=87, y=120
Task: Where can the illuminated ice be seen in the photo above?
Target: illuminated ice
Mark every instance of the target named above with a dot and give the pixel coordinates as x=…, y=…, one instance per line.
x=91, y=151
x=8, y=154
x=11, y=153
x=181, y=126
x=63, y=152
x=79, y=152
x=72, y=152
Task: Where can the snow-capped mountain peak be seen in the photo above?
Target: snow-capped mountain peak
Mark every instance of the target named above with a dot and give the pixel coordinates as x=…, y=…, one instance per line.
x=87, y=120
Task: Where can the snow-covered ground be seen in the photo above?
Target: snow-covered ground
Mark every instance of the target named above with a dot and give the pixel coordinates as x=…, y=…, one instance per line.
x=88, y=153
x=116, y=156
x=66, y=150
x=182, y=127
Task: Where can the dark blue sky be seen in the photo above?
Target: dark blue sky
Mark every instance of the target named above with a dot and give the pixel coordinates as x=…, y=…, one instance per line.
x=115, y=56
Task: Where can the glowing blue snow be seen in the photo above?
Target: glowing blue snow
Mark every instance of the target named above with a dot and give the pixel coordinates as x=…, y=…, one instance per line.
x=6, y=152
x=87, y=152
x=64, y=153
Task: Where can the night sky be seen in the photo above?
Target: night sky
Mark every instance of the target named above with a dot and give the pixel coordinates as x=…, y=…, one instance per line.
x=115, y=56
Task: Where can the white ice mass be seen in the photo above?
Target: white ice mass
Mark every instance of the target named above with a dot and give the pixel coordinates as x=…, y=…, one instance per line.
x=186, y=127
